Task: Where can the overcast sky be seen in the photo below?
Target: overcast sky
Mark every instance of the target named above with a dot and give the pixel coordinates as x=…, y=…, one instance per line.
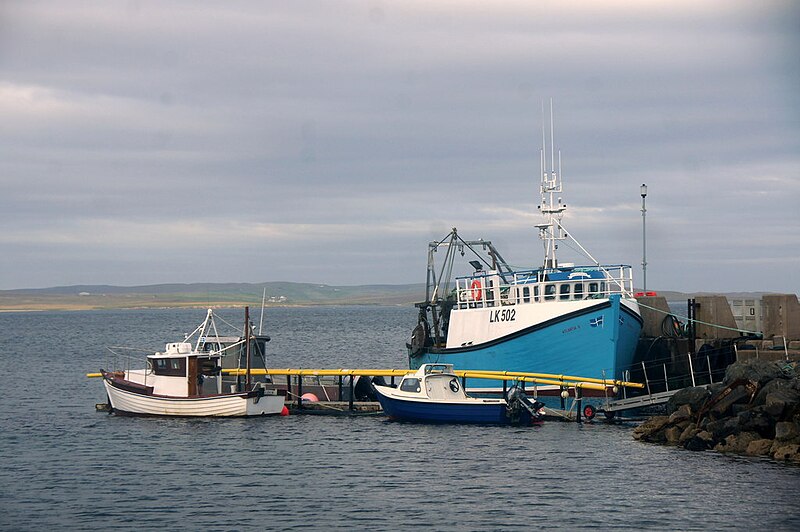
x=153, y=142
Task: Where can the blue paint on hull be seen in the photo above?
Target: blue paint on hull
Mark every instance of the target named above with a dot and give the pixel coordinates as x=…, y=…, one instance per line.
x=596, y=342
x=441, y=412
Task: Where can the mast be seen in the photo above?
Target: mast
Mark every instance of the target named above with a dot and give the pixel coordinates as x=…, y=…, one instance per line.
x=263, y=302
x=247, y=349
x=551, y=207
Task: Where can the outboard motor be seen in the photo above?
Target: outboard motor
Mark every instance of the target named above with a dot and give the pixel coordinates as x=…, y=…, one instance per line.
x=518, y=399
x=363, y=390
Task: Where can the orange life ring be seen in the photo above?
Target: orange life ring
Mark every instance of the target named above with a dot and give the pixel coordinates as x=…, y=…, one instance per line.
x=477, y=293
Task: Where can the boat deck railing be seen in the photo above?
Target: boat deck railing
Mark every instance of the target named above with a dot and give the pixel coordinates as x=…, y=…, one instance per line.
x=533, y=286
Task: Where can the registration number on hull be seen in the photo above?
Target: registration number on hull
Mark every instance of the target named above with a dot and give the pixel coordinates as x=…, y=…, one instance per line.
x=501, y=315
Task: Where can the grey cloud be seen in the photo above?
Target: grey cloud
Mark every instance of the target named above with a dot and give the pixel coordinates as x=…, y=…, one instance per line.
x=391, y=123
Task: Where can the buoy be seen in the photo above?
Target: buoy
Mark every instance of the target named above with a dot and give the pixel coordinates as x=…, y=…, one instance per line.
x=310, y=397
x=564, y=394
x=284, y=411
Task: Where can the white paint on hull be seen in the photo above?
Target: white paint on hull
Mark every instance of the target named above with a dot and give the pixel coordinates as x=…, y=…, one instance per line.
x=215, y=406
x=479, y=325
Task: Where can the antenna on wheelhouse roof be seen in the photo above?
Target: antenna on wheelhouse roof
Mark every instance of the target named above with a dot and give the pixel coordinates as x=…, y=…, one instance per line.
x=551, y=207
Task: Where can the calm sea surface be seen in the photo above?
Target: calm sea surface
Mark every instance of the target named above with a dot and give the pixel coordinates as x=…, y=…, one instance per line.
x=63, y=465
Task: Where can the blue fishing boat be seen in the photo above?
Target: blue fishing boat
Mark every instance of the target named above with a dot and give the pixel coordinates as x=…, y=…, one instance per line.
x=558, y=318
x=434, y=394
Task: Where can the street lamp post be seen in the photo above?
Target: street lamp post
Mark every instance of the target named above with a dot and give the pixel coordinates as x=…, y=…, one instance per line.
x=643, y=190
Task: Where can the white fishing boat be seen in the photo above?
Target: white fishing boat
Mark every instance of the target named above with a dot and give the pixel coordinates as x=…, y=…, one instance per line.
x=186, y=379
x=435, y=394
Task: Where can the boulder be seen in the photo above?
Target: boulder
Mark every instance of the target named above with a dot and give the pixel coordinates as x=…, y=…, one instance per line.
x=754, y=369
x=788, y=452
x=757, y=420
x=785, y=400
x=787, y=431
x=651, y=430
x=701, y=441
x=688, y=433
x=771, y=387
x=759, y=447
x=683, y=413
x=694, y=397
x=673, y=434
x=722, y=428
x=737, y=443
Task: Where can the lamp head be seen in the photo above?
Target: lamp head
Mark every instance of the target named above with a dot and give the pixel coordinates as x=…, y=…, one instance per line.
x=643, y=190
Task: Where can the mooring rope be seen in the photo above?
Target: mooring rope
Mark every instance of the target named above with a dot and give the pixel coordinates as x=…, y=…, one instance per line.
x=697, y=321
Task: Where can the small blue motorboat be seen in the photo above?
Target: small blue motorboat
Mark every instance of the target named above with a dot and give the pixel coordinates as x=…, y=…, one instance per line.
x=435, y=394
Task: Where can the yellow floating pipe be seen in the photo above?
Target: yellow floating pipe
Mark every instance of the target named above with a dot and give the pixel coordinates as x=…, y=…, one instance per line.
x=535, y=380
x=607, y=382
x=492, y=375
x=539, y=378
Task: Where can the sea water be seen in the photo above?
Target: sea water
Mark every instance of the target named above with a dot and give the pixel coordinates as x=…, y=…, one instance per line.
x=65, y=466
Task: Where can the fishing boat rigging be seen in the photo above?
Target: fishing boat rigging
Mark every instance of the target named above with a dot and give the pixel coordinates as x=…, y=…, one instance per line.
x=558, y=318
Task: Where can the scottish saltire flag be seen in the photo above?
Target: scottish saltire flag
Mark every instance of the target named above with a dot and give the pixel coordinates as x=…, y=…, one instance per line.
x=596, y=322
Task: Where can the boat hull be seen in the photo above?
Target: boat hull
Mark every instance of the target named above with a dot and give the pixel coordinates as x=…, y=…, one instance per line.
x=597, y=341
x=478, y=411
x=225, y=405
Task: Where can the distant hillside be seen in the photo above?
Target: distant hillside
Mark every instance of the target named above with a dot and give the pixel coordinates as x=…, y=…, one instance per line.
x=87, y=297
x=80, y=297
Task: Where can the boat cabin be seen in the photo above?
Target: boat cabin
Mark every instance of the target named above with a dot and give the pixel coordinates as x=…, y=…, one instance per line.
x=183, y=372
x=433, y=381
x=567, y=283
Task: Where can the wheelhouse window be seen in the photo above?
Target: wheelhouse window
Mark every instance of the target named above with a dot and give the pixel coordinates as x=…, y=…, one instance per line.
x=592, y=288
x=536, y=293
x=526, y=294
x=169, y=366
x=489, y=293
x=564, y=290
x=410, y=385
x=577, y=291
x=549, y=292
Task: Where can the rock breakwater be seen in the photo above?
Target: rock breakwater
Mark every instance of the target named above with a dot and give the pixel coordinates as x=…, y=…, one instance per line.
x=755, y=411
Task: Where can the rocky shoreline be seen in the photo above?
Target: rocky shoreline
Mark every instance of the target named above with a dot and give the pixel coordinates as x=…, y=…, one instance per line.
x=755, y=411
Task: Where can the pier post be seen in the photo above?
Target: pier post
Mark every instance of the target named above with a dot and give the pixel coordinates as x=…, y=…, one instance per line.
x=352, y=393
x=690, y=311
x=299, y=392
x=578, y=402
x=340, y=387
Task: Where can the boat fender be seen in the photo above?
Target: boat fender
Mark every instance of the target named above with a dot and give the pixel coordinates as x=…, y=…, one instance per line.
x=454, y=386
x=477, y=291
